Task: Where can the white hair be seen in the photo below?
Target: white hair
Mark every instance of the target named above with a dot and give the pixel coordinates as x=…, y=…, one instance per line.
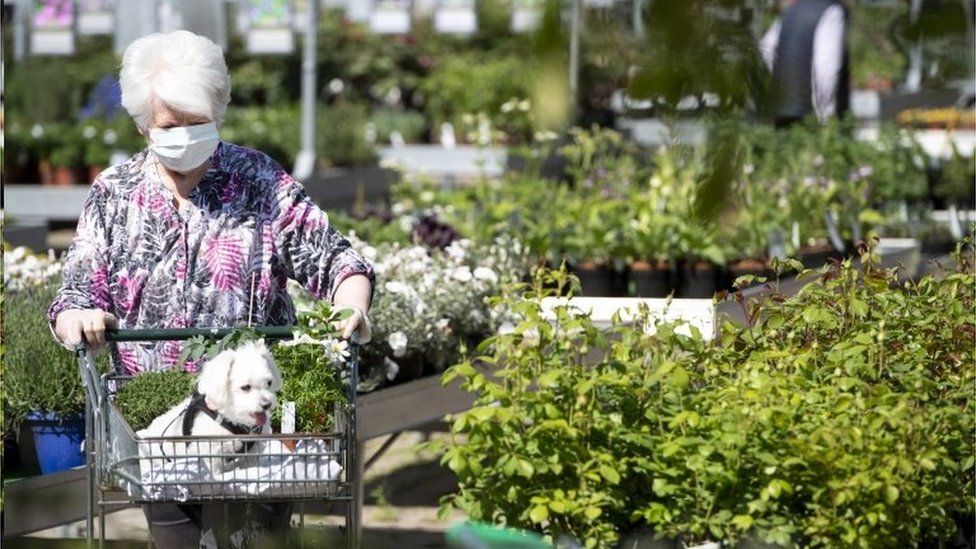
x=184, y=71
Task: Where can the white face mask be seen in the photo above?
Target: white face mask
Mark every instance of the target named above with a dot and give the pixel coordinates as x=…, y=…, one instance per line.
x=184, y=148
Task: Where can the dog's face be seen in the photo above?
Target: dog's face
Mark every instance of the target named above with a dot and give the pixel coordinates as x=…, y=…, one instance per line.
x=241, y=384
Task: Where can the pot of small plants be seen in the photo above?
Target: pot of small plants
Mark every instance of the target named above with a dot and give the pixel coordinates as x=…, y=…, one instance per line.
x=817, y=255
x=699, y=279
x=600, y=279
x=743, y=267
x=652, y=278
x=42, y=390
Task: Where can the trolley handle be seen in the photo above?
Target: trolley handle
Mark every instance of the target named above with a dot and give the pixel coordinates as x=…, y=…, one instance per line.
x=171, y=334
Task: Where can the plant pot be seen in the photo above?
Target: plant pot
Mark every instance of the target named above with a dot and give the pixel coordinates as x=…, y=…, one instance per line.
x=699, y=280
x=11, y=453
x=46, y=172
x=93, y=172
x=816, y=257
x=411, y=368
x=938, y=246
x=600, y=280
x=651, y=279
x=746, y=267
x=64, y=175
x=57, y=441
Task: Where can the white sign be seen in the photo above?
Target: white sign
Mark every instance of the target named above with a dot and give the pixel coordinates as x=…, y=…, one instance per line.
x=96, y=17
x=455, y=17
x=53, y=27
x=526, y=19
x=390, y=21
x=390, y=17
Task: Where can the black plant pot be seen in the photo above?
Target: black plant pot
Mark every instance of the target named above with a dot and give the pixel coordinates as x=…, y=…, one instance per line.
x=600, y=281
x=699, y=280
x=818, y=258
x=652, y=280
x=745, y=268
x=936, y=246
x=11, y=453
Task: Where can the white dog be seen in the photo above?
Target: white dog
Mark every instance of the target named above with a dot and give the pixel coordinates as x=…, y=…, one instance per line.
x=235, y=394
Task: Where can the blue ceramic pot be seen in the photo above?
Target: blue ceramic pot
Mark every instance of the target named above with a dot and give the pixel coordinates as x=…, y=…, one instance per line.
x=57, y=440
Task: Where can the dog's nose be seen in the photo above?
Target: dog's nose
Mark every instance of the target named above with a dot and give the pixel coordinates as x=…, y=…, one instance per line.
x=266, y=405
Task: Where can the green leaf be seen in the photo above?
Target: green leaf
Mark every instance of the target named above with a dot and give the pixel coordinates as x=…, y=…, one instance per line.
x=891, y=494
x=742, y=522
x=593, y=512
x=539, y=513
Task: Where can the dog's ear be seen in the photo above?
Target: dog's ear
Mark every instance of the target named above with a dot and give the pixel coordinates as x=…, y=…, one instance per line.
x=214, y=380
x=270, y=361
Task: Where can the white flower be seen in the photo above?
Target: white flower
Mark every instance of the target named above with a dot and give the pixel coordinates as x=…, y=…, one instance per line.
x=337, y=350
x=530, y=337
x=509, y=106
x=398, y=343
x=455, y=250
x=37, y=131
x=443, y=324
x=336, y=86
x=110, y=137
x=748, y=169
x=544, y=136
x=524, y=105
x=399, y=209
x=406, y=223
x=486, y=274
x=395, y=287
x=392, y=368
x=506, y=328
x=369, y=252
x=89, y=132
x=462, y=274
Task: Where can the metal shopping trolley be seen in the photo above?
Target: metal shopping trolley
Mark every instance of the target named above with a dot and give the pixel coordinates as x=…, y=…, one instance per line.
x=264, y=467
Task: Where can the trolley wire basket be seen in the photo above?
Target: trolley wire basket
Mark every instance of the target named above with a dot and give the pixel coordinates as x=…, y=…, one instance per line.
x=226, y=468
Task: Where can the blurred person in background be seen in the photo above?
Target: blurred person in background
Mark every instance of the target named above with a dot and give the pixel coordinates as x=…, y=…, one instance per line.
x=806, y=51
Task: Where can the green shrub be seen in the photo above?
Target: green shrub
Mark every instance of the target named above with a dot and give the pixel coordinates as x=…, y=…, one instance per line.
x=412, y=125
x=341, y=138
x=148, y=395
x=838, y=417
x=469, y=84
x=39, y=374
x=273, y=130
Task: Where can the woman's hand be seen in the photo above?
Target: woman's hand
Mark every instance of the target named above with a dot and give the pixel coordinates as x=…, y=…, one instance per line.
x=73, y=325
x=357, y=322
x=353, y=293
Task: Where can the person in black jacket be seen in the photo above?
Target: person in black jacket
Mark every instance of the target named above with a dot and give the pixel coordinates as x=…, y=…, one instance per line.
x=806, y=51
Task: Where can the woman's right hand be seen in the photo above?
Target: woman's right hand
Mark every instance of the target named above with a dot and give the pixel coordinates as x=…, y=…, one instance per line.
x=73, y=325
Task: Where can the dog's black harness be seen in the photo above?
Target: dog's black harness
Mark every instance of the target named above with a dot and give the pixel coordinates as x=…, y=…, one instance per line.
x=198, y=404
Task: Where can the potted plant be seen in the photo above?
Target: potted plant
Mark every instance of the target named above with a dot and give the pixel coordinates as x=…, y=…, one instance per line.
x=96, y=152
x=66, y=155
x=594, y=243
x=42, y=386
x=651, y=273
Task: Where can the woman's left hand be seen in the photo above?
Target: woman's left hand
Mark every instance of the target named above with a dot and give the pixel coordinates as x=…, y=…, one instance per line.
x=357, y=322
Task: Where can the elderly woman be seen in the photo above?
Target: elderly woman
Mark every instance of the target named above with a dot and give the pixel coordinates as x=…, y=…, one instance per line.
x=193, y=231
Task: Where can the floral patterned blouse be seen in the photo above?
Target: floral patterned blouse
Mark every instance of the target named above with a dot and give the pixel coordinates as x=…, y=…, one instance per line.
x=221, y=260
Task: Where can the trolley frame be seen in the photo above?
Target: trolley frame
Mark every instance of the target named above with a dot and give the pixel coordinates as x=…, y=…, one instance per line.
x=104, y=475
